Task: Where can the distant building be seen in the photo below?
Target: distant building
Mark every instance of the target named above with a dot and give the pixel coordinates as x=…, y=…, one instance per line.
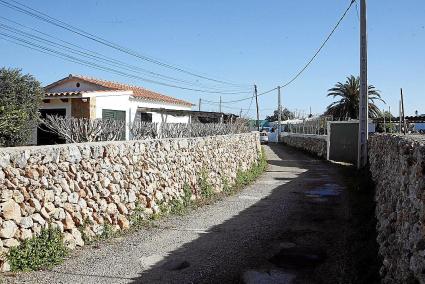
x=86, y=97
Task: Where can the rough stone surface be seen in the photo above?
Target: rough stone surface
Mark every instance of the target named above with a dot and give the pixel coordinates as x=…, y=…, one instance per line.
x=397, y=165
x=85, y=186
x=314, y=144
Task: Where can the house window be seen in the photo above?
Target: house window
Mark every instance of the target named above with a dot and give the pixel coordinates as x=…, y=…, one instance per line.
x=146, y=117
x=78, y=85
x=115, y=115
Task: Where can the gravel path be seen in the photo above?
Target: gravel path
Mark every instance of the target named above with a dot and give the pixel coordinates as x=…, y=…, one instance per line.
x=288, y=224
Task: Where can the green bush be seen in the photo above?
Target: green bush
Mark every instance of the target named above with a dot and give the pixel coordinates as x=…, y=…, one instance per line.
x=205, y=186
x=244, y=178
x=20, y=98
x=42, y=251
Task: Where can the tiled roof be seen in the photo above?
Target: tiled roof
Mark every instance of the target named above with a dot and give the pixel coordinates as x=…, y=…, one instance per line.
x=138, y=92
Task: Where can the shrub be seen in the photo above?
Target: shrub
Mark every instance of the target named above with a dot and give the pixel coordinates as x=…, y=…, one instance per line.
x=42, y=251
x=20, y=98
x=204, y=185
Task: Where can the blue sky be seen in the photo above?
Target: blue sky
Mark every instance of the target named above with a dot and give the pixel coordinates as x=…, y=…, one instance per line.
x=262, y=42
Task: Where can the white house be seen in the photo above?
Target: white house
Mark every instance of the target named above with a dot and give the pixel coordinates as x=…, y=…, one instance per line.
x=85, y=97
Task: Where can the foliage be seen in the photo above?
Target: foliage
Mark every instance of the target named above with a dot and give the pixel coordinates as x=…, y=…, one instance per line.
x=205, y=186
x=42, y=251
x=227, y=189
x=143, y=130
x=20, y=98
x=182, y=130
x=286, y=114
x=348, y=105
x=77, y=130
x=244, y=178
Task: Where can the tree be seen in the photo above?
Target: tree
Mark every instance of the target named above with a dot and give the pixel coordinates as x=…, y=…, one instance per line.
x=20, y=98
x=286, y=114
x=388, y=126
x=78, y=130
x=348, y=105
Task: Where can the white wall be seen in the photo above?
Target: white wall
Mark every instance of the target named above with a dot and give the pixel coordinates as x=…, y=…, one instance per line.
x=130, y=105
x=116, y=100
x=71, y=86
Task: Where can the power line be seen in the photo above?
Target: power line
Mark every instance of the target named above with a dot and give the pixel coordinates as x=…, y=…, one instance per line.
x=95, y=65
x=308, y=63
x=22, y=8
x=89, y=53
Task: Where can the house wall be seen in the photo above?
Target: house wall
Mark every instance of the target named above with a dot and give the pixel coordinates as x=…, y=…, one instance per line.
x=112, y=100
x=130, y=105
x=71, y=85
x=80, y=108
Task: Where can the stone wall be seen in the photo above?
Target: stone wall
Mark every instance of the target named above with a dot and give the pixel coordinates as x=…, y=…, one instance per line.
x=397, y=165
x=314, y=144
x=103, y=183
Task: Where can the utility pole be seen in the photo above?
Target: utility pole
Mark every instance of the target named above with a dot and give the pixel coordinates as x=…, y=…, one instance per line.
x=364, y=107
x=402, y=110
x=385, y=128
x=240, y=114
x=258, y=112
x=199, y=105
x=390, y=122
x=279, y=115
x=399, y=116
x=220, y=105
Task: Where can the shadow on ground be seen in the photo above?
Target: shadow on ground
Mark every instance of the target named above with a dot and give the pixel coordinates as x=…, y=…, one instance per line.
x=292, y=234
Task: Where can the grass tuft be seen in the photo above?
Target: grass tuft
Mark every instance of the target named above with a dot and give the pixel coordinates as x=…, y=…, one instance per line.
x=39, y=252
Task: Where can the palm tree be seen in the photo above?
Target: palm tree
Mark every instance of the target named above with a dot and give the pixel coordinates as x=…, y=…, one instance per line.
x=348, y=105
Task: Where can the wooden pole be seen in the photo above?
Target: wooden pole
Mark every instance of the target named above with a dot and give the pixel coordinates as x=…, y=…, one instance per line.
x=399, y=116
x=402, y=111
x=383, y=113
x=258, y=112
x=199, y=105
x=279, y=115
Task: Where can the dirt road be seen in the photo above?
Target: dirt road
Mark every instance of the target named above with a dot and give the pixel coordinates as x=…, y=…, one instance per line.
x=288, y=227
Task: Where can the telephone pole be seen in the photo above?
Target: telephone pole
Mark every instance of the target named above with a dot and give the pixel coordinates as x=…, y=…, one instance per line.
x=220, y=105
x=363, y=108
x=279, y=115
x=402, y=111
x=258, y=112
x=199, y=105
x=399, y=116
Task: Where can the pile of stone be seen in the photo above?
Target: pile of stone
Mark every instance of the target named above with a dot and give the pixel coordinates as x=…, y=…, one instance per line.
x=78, y=188
x=397, y=165
x=314, y=144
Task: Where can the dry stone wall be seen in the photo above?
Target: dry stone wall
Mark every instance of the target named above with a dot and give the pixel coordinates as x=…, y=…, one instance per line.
x=314, y=144
x=79, y=188
x=397, y=165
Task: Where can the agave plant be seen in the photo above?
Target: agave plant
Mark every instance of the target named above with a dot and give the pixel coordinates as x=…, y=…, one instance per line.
x=349, y=94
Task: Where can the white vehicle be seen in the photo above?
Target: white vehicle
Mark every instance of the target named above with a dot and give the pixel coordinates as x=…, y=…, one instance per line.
x=264, y=137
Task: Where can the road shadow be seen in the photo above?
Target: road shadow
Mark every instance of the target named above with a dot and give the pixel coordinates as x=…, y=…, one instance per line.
x=251, y=238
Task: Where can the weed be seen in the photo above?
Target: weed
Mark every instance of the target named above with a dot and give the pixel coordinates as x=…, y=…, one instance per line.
x=244, y=178
x=204, y=185
x=42, y=251
x=187, y=195
x=227, y=189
